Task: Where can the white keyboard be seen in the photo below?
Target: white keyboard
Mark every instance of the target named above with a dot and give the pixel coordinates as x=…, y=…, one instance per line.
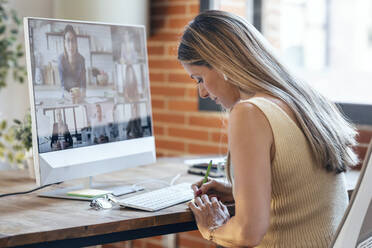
x=161, y=198
x=366, y=243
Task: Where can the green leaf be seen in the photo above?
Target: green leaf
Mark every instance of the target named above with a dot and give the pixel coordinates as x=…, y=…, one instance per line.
x=15, y=17
x=10, y=157
x=8, y=138
x=17, y=148
x=3, y=125
x=11, y=50
x=20, y=157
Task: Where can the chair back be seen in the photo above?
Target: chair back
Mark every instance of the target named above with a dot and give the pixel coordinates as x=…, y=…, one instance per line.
x=355, y=229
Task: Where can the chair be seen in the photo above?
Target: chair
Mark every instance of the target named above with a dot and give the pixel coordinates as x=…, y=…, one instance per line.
x=355, y=229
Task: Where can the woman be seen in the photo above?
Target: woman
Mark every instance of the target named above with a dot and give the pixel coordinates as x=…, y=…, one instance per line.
x=288, y=145
x=71, y=65
x=100, y=130
x=61, y=137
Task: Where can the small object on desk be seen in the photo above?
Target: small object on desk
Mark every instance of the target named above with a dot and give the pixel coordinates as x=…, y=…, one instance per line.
x=107, y=201
x=88, y=193
x=217, y=169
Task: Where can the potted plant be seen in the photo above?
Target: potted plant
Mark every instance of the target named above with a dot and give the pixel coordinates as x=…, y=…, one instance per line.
x=15, y=139
x=11, y=50
x=16, y=143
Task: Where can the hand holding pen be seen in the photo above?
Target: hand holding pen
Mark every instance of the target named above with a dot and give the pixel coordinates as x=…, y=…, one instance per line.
x=195, y=187
x=211, y=187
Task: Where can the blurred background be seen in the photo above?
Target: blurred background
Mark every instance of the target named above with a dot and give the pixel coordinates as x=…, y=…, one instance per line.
x=327, y=43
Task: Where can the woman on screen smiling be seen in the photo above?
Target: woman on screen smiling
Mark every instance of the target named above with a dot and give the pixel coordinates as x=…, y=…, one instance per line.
x=71, y=66
x=288, y=145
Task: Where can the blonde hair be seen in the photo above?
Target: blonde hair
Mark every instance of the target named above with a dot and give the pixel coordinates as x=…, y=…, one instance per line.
x=232, y=46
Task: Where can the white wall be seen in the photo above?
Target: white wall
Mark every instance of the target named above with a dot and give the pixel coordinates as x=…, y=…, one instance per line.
x=115, y=11
x=14, y=99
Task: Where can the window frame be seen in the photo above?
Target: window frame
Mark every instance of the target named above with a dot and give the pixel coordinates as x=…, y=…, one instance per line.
x=357, y=113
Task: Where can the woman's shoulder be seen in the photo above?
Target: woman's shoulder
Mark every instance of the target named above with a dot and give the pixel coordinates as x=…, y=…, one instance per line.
x=247, y=106
x=272, y=101
x=249, y=125
x=244, y=108
x=248, y=116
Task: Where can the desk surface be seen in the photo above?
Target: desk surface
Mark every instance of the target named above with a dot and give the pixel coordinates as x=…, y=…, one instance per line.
x=31, y=220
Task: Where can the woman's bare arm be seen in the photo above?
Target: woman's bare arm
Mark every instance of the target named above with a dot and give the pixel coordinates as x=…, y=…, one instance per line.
x=250, y=142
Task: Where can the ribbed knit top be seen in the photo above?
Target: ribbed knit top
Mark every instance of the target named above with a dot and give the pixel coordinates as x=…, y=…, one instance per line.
x=307, y=202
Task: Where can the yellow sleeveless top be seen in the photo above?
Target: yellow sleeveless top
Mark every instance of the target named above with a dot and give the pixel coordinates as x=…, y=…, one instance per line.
x=307, y=202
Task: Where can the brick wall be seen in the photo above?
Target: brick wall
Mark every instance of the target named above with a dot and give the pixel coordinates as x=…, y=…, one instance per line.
x=178, y=125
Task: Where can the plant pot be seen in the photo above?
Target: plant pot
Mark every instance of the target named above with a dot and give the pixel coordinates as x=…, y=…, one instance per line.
x=30, y=164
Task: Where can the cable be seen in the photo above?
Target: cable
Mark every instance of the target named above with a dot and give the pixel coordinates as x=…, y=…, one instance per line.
x=134, y=185
x=29, y=191
x=175, y=179
x=162, y=181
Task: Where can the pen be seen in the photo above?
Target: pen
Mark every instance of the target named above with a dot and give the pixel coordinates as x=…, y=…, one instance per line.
x=199, y=192
x=207, y=173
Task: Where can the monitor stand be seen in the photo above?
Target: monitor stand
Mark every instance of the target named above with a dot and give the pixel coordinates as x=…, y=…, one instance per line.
x=116, y=190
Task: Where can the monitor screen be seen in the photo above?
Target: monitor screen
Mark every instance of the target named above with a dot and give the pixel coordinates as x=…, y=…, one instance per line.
x=90, y=83
x=90, y=98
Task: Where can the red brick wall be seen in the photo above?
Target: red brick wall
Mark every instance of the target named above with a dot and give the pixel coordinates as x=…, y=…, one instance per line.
x=178, y=125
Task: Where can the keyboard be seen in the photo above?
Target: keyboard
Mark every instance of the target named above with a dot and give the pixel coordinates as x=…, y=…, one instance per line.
x=366, y=243
x=159, y=199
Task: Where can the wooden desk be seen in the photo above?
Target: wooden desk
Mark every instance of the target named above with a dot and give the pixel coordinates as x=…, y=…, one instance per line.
x=46, y=222
x=29, y=220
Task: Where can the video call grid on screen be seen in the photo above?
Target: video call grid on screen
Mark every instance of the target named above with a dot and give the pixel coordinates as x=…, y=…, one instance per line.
x=90, y=83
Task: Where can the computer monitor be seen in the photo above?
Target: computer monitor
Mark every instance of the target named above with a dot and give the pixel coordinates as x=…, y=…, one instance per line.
x=355, y=229
x=90, y=98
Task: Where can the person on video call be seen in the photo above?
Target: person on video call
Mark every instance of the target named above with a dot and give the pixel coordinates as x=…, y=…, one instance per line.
x=131, y=92
x=100, y=130
x=288, y=145
x=134, y=128
x=71, y=66
x=61, y=137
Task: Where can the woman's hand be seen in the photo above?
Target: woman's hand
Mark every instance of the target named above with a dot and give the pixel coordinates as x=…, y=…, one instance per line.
x=209, y=213
x=222, y=191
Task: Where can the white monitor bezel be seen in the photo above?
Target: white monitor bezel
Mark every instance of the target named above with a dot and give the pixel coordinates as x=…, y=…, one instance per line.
x=139, y=151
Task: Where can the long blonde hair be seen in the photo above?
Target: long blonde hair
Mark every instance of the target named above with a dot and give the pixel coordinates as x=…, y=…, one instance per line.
x=232, y=46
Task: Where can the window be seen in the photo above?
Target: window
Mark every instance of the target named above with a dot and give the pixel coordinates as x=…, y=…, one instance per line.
x=326, y=43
